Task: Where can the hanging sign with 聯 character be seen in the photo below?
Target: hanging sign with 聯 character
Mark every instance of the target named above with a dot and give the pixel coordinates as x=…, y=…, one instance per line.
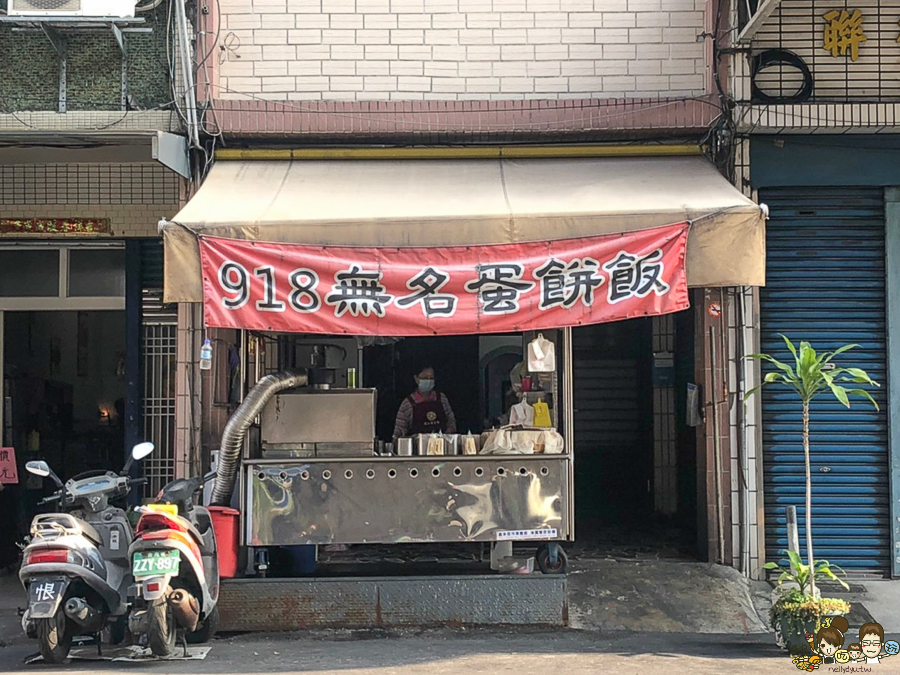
x=454, y=290
x=9, y=475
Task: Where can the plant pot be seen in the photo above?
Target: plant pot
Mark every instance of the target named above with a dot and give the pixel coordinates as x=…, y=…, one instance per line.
x=794, y=635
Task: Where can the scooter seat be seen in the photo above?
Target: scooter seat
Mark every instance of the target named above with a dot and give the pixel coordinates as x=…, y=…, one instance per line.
x=89, y=531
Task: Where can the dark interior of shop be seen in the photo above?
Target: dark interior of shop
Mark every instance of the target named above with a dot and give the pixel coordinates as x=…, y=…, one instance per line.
x=617, y=500
x=64, y=377
x=64, y=380
x=391, y=369
x=617, y=505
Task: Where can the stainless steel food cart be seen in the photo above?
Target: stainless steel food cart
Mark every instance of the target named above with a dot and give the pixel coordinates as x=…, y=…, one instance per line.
x=316, y=479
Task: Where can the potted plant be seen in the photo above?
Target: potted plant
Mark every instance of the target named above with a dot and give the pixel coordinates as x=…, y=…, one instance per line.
x=811, y=374
x=797, y=614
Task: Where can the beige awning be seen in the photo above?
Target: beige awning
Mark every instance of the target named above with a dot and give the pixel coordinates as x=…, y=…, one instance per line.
x=470, y=202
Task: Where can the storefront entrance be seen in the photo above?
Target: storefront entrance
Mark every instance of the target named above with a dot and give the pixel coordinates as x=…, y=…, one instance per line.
x=62, y=359
x=831, y=276
x=635, y=456
x=64, y=385
x=472, y=242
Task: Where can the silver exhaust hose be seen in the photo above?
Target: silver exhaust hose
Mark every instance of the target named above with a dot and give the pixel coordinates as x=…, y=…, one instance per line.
x=239, y=422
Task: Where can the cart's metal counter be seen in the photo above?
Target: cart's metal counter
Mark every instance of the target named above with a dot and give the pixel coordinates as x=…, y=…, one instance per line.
x=390, y=500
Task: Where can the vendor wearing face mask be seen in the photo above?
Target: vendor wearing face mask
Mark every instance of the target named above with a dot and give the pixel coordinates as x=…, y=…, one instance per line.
x=425, y=411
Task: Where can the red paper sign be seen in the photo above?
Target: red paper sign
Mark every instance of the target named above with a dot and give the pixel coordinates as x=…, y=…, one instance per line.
x=454, y=290
x=8, y=472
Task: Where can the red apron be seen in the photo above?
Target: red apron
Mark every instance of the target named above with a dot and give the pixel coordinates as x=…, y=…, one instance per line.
x=428, y=415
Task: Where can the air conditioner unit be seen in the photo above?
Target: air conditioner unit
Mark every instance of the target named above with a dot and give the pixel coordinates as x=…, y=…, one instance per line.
x=85, y=8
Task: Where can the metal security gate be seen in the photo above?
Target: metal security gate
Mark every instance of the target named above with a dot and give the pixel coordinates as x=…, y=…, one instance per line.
x=158, y=354
x=613, y=424
x=825, y=283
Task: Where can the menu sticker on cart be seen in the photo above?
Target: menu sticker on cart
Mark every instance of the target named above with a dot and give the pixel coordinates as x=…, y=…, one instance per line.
x=452, y=290
x=546, y=533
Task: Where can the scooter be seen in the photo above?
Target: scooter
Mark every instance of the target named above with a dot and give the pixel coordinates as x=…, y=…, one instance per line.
x=176, y=570
x=76, y=567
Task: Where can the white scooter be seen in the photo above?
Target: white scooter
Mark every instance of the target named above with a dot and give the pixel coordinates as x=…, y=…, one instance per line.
x=76, y=568
x=176, y=569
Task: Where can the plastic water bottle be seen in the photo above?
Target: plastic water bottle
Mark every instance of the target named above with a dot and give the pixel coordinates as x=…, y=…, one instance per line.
x=206, y=355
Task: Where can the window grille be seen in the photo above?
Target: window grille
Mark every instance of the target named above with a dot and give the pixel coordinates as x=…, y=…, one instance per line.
x=158, y=351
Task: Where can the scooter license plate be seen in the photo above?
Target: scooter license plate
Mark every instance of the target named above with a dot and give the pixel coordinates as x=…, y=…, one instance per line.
x=154, y=563
x=46, y=591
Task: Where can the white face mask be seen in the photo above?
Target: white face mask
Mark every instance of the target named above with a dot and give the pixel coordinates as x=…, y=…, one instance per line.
x=426, y=385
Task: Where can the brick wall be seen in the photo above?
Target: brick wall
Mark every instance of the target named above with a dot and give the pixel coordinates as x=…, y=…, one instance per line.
x=133, y=196
x=460, y=49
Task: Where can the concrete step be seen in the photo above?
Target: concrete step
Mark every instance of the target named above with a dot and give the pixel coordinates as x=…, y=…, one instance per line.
x=381, y=602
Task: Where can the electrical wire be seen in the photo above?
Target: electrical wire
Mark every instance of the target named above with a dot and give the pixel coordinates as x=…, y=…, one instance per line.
x=721, y=139
x=215, y=41
x=781, y=57
x=208, y=108
x=632, y=108
x=15, y=115
x=712, y=138
x=173, y=89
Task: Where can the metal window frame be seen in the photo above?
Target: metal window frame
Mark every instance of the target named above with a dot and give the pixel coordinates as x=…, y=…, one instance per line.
x=159, y=349
x=62, y=301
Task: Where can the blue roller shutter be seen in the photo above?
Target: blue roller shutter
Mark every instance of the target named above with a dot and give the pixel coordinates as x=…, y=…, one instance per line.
x=826, y=284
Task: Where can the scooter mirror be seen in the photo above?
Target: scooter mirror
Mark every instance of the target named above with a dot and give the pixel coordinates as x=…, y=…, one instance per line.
x=141, y=450
x=38, y=468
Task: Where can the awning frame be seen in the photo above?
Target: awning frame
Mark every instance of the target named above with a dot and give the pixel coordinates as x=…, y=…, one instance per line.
x=441, y=203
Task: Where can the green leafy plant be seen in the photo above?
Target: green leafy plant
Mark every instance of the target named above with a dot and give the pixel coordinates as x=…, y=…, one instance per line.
x=801, y=574
x=810, y=375
x=800, y=612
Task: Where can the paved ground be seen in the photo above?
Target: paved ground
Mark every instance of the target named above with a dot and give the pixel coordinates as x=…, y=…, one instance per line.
x=665, y=596
x=457, y=653
x=601, y=646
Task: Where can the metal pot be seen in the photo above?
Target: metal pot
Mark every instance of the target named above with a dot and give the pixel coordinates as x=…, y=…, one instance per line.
x=451, y=444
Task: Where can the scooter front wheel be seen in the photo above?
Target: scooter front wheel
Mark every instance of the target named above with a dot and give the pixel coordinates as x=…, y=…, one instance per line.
x=161, y=628
x=55, y=636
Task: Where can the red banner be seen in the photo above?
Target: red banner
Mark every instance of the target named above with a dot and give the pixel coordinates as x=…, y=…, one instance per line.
x=446, y=290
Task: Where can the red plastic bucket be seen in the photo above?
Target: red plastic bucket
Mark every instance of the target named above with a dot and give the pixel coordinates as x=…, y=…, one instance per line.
x=226, y=523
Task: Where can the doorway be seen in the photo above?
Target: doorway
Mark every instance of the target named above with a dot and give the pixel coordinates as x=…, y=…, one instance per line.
x=64, y=387
x=635, y=455
x=391, y=370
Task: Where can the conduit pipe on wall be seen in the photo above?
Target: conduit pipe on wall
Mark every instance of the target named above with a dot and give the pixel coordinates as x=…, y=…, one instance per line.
x=186, y=62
